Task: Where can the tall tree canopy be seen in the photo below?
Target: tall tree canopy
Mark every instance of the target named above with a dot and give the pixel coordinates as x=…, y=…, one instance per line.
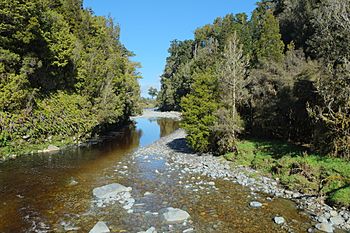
x=63, y=72
x=296, y=85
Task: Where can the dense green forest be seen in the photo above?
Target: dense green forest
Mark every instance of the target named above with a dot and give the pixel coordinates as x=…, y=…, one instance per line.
x=64, y=74
x=270, y=91
x=282, y=73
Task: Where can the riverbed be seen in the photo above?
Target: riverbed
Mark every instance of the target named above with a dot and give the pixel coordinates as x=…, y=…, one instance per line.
x=53, y=193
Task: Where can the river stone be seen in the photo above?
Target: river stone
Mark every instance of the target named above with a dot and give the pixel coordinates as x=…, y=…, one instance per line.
x=52, y=148
x=325, y=227
x=188, y=230
x=109, y=191
x=333, y=213
x=322, y=219
x=279, y=220
x=337, y=220
x=173, y=215
x=255, y=204
x=73, y=182
x=100, y=227
x=150, y=230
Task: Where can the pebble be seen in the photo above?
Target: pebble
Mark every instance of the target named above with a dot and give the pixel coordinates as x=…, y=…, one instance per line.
x=337, y=220
x=188, y=230
x=255, y=204
x=322, y=219
x=279, y=220
x=174, y=215
x=100, y=227
x=333, y=213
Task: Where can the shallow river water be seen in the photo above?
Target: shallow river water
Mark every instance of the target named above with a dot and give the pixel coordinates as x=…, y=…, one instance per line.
x=53, y=193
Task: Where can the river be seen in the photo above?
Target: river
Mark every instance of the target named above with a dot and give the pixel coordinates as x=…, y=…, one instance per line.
x=38, y=191
x=53, y=193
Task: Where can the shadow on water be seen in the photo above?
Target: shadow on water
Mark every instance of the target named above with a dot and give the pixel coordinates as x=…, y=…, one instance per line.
x=36, y=189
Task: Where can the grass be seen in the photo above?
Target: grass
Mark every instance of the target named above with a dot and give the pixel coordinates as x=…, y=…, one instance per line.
x=19, y=148
x=323, y=176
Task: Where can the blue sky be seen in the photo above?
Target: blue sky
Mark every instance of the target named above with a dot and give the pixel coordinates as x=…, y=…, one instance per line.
x=148, y=26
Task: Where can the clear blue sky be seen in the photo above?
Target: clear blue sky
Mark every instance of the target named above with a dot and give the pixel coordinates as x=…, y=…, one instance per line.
x=148, y=26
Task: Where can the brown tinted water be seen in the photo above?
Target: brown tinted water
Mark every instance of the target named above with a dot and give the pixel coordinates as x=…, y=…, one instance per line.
x=35, y=190
x=37, y=194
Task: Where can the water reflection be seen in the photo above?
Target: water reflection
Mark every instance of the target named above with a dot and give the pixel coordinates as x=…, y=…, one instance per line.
x=37, y=186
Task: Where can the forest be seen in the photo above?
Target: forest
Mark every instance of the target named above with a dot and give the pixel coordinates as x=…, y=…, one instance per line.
x=282, y=74
x=64, y=74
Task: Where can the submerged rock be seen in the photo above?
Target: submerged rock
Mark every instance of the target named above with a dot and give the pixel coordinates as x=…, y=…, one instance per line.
x=325, y=227
x=100, y=227
x=279, y=220
x=173, y=215
x=150, y=230
x=109, y=191
x=73, y=182
x=337, y=220
x=255, y=204
x=188, y=230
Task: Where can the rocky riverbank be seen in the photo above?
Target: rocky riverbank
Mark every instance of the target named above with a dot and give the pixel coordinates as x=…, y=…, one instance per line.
x=153, y=113
x=174, y=146
x=177, y=157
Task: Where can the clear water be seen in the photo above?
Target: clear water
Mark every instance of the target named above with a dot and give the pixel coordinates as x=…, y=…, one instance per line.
x=35, y=190
x=37, y=195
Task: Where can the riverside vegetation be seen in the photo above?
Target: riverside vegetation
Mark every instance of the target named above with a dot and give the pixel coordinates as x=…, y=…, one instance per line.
x=64, y=75
x=282, y=76
x=270, y=92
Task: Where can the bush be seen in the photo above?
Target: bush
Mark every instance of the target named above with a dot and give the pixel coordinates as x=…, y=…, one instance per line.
x=64, y=114
x=340, y=197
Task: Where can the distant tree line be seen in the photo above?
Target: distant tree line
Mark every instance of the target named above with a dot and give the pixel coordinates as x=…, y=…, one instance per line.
x=63, y=72
x=284, y=73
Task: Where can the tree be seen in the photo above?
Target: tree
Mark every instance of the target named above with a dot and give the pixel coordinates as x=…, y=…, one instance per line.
x=175, y=82
x=198, y=110
x=331, y=38
x=63, y=72
x=232, y=89
x=268, y=43
x=153, y=92
x=332, y=112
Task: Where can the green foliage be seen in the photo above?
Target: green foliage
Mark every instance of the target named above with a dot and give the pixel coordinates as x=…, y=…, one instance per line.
x=63, y=114
x=331, y=25
x=60, y=114
x=267, y=39
x=311, y=174
x=176, y=79
x=333, y=111
x=198, y=112
x=298, y=82
x=63, y=72
x=153, y=92
x=341, y=197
